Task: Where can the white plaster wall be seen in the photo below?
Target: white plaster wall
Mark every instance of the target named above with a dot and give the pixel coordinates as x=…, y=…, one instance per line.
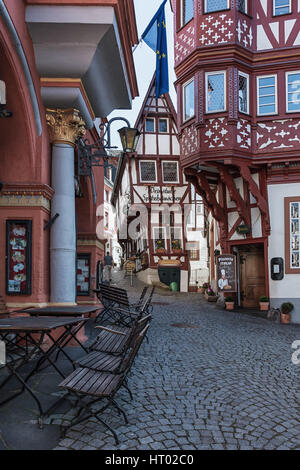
x=288, y=287
x=150, y=144
x=164, y=144
x=175, y=145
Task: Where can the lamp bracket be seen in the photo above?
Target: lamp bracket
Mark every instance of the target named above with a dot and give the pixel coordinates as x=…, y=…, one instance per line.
x=95, y=154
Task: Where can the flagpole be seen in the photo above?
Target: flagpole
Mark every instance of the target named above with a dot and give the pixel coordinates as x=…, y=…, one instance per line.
x=137, y=45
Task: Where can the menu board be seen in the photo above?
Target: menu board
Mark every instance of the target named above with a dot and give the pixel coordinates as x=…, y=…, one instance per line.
x=83, y=274
x=226, y=273
x=18, y=256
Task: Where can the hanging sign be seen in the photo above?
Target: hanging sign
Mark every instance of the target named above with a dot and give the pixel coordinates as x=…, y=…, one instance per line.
x=243, y=229
x=226, y=273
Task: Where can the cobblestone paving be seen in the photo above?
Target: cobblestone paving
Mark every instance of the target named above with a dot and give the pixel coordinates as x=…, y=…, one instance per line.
x=227, y=383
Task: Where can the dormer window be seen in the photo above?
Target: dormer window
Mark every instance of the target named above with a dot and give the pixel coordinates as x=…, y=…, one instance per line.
x=281, y=7
x=163, y=125
x=216, y=5
x=187, y=11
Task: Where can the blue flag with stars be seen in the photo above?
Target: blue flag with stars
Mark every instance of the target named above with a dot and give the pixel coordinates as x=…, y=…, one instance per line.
x=155, y=35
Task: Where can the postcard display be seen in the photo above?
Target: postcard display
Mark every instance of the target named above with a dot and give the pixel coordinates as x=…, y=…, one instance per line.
x=83, y=274
x=18, y=257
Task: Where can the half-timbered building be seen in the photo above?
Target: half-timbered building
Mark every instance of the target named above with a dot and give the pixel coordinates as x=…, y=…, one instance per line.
x=153, y=196
x=238, y=87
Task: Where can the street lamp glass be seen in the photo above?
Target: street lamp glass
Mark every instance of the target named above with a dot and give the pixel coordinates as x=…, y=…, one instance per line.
x=129, y=138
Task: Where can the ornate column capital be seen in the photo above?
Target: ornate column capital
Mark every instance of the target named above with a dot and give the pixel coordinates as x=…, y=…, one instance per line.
x=65, y=125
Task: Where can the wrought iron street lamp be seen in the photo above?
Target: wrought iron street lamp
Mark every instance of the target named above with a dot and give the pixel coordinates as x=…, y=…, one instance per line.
x=95, y=154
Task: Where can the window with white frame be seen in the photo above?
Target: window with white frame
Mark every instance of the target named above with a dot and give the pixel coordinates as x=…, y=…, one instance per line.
x=163, y=125
x=150, y=125
x=216, y=5
x=294, y=234
x=159, y=238
x=187, y=11
x=267, y=95
x=243, y=93
x=148, y=172
x=188, y=100
x=170, y=172
x=293, y=91
x=281, y=7
x=176, y=238
x=243, y=6
x=215, y=92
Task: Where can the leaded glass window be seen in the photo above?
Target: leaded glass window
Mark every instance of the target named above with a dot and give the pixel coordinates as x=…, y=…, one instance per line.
x=148, y=172
x=170, y=172
x=188, y=100
x=267, y=95
x=187, y=11
x=294, y=234
x=243, y=7
x=243, y=93
x=215, y=92
x=163, y=125
x=150, y=125
x=282, y=7
x=216, y=5
x=293, y=92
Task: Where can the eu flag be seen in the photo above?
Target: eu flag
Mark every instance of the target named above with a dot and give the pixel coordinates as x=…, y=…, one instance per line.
x=155, y=35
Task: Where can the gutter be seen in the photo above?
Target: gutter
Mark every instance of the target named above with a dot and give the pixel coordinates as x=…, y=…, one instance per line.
x=20, y=52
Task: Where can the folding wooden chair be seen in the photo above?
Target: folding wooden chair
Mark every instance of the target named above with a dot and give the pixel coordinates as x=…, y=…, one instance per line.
x=90, y=386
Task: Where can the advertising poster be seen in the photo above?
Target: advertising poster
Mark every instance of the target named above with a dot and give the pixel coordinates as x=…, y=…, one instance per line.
x=226, y=273
x=18, y=257
x=83, y=274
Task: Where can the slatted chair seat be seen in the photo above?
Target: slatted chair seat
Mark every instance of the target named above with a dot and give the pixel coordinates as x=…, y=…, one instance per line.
x=101, y=361
x=90, y=382
x=91, y=385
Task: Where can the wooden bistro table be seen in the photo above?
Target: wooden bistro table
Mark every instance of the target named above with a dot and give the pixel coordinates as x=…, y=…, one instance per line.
x=33, y=331
x=66, y=311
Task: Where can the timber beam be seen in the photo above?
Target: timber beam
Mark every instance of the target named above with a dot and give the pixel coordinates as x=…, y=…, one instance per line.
x=242, y=207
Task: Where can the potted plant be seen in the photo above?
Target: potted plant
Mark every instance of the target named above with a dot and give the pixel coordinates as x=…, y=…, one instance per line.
x=160, y=245
x=264, y=302
x=210, y=295
x=229, y=302
x=176, y=246
x=205, y=287
x=199, y=288
x=285, y=315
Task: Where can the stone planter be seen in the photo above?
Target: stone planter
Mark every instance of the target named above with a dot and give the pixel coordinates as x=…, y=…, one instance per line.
x=263, y=306
x=229, y=305
x=210, y=298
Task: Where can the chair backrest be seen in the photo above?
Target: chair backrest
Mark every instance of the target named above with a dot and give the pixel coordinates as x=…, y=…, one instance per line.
x=142, y=296
x=128, y=361
x=114, y=294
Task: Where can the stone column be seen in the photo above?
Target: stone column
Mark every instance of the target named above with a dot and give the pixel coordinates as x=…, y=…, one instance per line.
x=65, y=127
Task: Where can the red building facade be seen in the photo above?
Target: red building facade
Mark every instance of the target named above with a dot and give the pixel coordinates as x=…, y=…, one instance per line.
x=62, y=65
x=238, y=86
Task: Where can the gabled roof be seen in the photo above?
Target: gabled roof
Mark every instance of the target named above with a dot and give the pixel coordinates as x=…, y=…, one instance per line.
x=150, y=102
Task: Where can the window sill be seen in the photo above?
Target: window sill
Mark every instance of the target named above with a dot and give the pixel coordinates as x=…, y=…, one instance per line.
x=184, y=25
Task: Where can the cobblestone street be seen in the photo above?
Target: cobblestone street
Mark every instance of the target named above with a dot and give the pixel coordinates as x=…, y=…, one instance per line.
x=207, y=379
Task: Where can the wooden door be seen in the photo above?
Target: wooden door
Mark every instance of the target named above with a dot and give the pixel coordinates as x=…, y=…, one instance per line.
x=252, y=278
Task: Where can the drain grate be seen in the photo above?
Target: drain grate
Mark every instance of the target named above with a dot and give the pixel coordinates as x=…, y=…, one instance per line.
x=184, y=325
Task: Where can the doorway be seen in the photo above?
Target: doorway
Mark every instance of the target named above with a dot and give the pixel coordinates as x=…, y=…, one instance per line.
x=251, y=274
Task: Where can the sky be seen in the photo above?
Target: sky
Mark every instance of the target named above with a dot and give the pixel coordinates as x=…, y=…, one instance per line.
x=145, y=61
